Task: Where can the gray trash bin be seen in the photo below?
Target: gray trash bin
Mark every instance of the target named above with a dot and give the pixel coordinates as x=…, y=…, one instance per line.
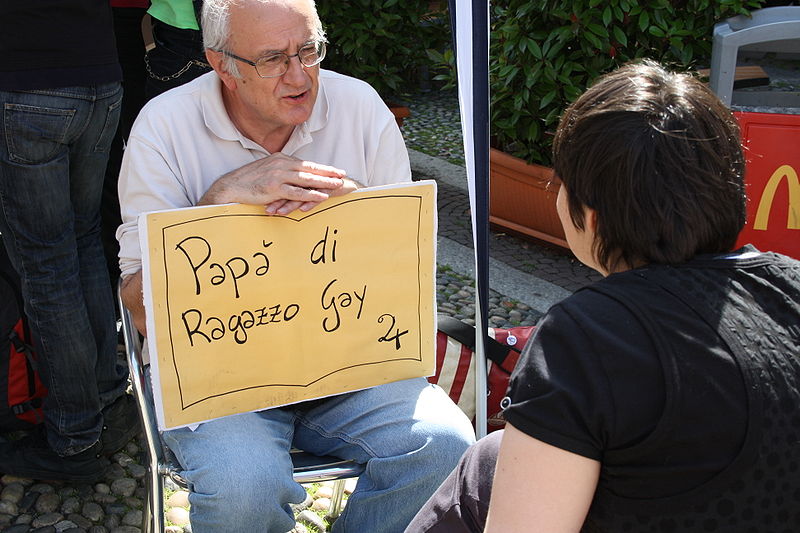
x=771, y=25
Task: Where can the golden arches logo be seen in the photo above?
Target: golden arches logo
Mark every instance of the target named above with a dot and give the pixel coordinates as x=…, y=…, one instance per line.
x=764, y=206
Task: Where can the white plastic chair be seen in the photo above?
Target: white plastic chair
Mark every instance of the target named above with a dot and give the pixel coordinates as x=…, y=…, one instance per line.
x=308, y=468
x=762, y=26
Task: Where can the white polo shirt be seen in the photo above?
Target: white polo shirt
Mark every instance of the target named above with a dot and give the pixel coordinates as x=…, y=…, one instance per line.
x=183, y=141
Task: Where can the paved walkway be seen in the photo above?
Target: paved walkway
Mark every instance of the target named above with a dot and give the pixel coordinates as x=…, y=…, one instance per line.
x=538, y=275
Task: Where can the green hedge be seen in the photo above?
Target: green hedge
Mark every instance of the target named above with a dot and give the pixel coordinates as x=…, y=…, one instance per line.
x=544, y=54
x=384, y=42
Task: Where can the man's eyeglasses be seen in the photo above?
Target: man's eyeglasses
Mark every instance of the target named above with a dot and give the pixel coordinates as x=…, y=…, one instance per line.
x=276, y=64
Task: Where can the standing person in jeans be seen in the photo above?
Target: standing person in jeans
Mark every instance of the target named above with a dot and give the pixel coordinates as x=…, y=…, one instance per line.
x=60, y=98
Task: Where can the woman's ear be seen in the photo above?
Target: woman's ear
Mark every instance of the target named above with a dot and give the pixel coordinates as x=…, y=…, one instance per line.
x=590, y=227
x=590, y=220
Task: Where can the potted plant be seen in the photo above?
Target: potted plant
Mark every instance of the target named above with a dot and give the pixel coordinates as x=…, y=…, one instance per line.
x=544, y=54
x=385, y=43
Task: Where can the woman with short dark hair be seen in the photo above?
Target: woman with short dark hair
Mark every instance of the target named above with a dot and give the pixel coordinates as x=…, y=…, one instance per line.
x=665, y=397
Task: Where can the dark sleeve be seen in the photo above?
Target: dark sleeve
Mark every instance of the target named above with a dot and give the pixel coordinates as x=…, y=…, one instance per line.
x=589, y=380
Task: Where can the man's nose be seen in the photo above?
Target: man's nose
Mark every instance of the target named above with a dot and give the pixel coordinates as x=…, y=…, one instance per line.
x=295, y=72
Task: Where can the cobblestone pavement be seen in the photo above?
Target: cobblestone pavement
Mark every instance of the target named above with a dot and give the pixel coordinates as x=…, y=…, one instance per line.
x=543, y=261
x=434, y=128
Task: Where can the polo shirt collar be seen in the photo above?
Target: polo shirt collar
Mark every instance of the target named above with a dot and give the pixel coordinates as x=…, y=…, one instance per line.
x=219, y=123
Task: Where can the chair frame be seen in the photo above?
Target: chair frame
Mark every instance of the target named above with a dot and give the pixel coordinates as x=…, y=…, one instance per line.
x=308, y=468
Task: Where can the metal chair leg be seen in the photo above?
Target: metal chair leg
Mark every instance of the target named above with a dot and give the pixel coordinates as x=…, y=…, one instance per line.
x=337, y=498
x=157, y=495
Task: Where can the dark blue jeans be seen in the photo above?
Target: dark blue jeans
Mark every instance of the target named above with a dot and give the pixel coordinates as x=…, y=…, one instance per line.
x=53, y=150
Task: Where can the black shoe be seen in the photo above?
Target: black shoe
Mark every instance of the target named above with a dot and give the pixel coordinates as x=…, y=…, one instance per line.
x=120, y=424
x=31, y=457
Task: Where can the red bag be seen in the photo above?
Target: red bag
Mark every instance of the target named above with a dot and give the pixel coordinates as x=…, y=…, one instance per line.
x=455, y=364
x=21, y=390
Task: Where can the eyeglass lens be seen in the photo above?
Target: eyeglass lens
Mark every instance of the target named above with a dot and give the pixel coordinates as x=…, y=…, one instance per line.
x=277, y=64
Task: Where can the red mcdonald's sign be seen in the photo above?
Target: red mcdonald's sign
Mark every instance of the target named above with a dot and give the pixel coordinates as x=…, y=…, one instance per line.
x=772, y=149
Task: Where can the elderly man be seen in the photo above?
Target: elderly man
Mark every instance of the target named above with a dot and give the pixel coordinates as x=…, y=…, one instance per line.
x=269, y=127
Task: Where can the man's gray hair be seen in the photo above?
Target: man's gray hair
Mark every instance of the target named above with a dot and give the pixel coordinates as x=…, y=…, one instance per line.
x=216, y=28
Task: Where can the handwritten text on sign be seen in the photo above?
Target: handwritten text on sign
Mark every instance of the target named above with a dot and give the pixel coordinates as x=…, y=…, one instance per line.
x=251, y=311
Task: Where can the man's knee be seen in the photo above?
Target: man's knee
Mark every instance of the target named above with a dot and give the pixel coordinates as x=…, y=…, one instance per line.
x=445, y=442
x=244, y=494
x=446, y=431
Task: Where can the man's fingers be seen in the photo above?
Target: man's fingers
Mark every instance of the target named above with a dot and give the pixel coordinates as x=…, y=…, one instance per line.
x=272, y=208
x=301, y=194
x=284, y=207
x=321, y=170
x=312, y=181
x=289, y=206
x=308, y=206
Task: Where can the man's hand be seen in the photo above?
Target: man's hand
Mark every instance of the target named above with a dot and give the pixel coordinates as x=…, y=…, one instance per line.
x=131, y=292
x=276, y=178
x=284, y=207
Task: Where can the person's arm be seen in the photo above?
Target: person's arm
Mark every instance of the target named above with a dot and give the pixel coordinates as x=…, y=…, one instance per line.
x=132, y=298
x=558, y=487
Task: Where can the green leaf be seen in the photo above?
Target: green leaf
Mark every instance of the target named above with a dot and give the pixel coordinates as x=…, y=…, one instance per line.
x=534, y=48
x=644, y=21
x=546, y=99
x=607, y=16
x=598, y=30
x=533, y=131
x=620, y=36
x=507, y=70
x=687, y=54
x=593, y=40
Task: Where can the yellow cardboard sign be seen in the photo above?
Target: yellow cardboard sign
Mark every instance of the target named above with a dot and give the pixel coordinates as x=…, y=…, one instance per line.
x=247, y=311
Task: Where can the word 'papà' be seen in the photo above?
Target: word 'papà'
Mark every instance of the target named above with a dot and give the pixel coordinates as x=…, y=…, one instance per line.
x=209, y=272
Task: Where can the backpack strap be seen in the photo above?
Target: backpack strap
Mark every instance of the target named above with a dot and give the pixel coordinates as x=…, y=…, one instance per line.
x=465, y=334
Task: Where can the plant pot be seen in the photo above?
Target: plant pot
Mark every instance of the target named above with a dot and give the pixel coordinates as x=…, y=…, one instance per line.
x=520, y=201
x=399, y=111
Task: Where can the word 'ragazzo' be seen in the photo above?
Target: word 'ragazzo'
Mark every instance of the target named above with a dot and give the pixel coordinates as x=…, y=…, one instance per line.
x=215, y=328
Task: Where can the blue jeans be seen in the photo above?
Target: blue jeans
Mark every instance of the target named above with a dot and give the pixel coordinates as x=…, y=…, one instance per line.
x=408, y=433
x=53, y=150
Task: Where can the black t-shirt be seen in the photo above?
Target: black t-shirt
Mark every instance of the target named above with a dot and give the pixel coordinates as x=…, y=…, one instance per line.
x=653, y=373
x=56, y=43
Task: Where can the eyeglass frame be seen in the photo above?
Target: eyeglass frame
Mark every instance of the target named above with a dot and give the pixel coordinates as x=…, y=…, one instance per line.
x=321, y=44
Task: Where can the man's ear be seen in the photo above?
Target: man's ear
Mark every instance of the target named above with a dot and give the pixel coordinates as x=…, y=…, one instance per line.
x=215, y=59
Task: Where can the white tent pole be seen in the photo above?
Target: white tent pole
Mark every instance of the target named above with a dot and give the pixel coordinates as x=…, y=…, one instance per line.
x=472, y=52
